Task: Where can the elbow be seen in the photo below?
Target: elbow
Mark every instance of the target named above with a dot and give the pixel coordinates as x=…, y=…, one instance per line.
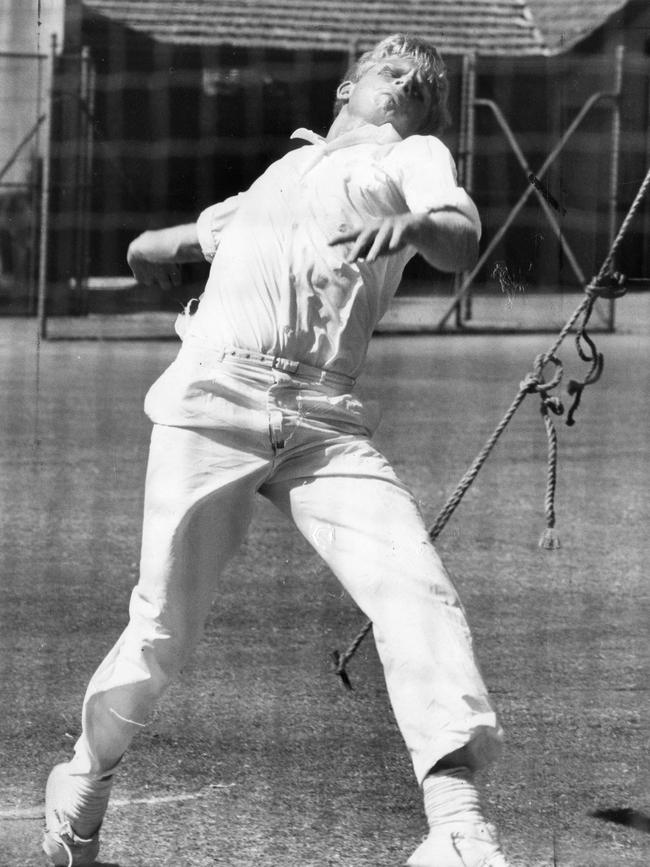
x=466, y=247
x=454, y=244
x=468, y=256
x=461, y=255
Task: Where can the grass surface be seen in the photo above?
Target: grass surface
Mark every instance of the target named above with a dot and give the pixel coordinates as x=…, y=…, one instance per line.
x=270, y=760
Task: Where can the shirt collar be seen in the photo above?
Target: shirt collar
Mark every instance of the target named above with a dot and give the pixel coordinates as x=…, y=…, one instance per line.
x=367, y=133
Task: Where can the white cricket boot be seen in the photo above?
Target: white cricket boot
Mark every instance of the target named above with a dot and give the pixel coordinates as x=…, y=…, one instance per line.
x=459, y=845
x=459, y=834
x=74, y=811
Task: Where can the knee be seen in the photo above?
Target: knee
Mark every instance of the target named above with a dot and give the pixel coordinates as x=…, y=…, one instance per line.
x=159, y=648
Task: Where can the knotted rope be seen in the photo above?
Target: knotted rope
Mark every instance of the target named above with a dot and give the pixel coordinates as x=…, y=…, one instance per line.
x=549, y=406
x=606, y=284
x=533, y=382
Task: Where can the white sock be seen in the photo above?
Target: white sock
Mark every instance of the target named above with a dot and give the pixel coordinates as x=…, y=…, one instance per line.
x=451, y=796
x=86, y=804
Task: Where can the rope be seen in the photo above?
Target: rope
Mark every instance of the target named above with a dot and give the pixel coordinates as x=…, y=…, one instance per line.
x=575, y=387
x=606, y=267
x=608, y=284
x=550, y=539
x=341, y=659
x=533, y=382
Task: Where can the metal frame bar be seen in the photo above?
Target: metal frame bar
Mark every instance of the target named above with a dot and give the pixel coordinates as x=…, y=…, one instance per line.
x=23, y=55
x=614, y=170
x=466, y=154
x=82, y=172
x=463, y=158
x=41, y=310
x=471, y=137
x=594, y=99
x=25, y=141
x=523, y=162
x=89, y=154
x=35, y=197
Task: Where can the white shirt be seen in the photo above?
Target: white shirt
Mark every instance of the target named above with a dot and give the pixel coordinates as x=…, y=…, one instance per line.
x=275, y=284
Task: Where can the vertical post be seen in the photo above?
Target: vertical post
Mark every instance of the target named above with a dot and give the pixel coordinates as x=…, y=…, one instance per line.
x=89, y=147
x=471, y=116
x=35, y=193
x=462, y=133
x=41, y=311
x=80, y=227
x=352, y=51
x=462, y=157
x=469, y=160
x=614, y=166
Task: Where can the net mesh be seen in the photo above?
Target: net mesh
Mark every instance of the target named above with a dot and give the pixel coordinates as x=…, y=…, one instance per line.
x=147, y=134
x=22, y=105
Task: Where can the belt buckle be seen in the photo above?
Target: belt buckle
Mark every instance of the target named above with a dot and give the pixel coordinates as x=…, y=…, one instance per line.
x=285, y=365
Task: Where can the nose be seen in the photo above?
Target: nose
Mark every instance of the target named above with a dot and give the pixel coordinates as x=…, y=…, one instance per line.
x=407, y=80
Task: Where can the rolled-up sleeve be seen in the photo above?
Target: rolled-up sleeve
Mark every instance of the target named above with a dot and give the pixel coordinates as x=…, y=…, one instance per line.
x=212, y=221
x=424, y=170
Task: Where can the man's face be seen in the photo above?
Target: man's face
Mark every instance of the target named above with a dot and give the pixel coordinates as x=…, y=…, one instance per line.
x=391, y=91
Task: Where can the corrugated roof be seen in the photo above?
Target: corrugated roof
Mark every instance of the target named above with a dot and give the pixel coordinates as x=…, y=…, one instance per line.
x=512, y=28
x=566, y=22
x=505, y=27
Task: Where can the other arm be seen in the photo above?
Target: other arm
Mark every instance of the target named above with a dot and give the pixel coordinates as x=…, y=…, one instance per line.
x=439, y=219
x=447, y=238
x=154, y=256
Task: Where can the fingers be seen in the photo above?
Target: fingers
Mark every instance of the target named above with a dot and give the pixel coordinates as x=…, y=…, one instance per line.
x=344, y=237
x=166, y=275
x=386, y=240
x=367, y=245
x=371, y=242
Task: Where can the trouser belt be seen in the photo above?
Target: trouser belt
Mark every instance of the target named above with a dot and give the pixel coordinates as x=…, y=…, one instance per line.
x=286, y=365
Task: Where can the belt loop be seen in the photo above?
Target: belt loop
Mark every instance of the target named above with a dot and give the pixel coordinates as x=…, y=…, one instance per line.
x=275, y=429
x=285, y=364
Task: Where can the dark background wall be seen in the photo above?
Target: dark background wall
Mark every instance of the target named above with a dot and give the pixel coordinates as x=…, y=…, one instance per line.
x=179, y=127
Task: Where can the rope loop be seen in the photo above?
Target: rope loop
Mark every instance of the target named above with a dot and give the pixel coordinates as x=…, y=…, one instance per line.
x=534, y=381
x=614, y=287
x=552, y=404
x=594, y=358
x=530, y=383
x=587, y=352
x=583, y=338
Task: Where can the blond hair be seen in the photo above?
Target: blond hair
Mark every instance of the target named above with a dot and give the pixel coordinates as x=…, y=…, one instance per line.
x=428, y=62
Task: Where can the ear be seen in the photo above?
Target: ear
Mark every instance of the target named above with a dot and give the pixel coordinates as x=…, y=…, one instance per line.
x=344, y=90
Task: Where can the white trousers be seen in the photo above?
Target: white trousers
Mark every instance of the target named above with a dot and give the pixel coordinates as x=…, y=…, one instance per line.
x=225, y=430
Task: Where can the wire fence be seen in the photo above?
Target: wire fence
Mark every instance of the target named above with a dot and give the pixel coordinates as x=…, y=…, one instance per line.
x=22, y=116
x=145, y=134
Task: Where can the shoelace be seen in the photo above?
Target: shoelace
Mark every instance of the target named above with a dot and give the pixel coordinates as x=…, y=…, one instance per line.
x=496, y=859
x=65, y=831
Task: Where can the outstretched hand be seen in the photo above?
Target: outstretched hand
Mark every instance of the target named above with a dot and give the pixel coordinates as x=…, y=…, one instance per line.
x=166, y=274
x=155, y=255
x=382, y=237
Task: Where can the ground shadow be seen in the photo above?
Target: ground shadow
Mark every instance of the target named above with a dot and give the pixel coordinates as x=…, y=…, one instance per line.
x=624, y=816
